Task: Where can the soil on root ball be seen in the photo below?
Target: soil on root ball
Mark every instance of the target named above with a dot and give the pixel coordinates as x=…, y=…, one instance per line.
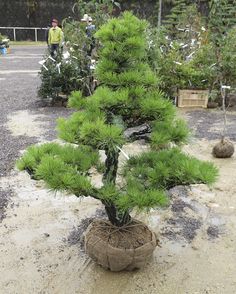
x=130, y=236
x=223, y=149
x=120, y=248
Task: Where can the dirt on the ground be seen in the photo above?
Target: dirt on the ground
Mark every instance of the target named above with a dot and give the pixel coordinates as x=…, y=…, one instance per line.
x=41, y=233
x=42, y=239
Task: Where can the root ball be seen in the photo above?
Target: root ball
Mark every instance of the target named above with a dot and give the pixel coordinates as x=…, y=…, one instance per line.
x=223, y=149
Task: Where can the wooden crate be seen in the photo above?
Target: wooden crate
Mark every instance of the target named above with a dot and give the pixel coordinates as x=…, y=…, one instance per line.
x=193, y=98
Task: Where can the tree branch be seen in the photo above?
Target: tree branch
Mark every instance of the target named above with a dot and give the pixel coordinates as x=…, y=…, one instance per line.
x=137, y=133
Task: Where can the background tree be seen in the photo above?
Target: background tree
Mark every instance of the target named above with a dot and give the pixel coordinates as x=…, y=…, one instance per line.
x=171, y=21
x=76, y=71
x=100, y=10
x=173, y=58
x=222, y=18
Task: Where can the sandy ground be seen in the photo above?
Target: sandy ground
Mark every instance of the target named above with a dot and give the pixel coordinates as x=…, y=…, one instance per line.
x=41, y=250
x=41, y=244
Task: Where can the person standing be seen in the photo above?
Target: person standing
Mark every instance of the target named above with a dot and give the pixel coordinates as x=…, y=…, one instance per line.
x=55, y=38
x=90, y=30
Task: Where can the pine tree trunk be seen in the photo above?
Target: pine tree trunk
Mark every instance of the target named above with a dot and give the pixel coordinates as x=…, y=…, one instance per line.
x=111, y=164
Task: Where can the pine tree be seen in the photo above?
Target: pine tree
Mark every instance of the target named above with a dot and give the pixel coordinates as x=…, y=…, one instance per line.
x=172, y=20
x=222, y=17
x=125, y=107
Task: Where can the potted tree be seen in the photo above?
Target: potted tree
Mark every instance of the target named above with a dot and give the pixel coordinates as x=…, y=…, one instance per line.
x=223, y=39
x=224, y=148
x=126, y=106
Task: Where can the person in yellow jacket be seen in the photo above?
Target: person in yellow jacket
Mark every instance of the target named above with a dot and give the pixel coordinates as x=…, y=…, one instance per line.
x=55, y=38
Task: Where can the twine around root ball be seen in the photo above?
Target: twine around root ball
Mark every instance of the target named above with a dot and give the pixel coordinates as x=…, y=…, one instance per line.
x=127, y=228
x=223, y=149
x=119, y=248
x=125, y=231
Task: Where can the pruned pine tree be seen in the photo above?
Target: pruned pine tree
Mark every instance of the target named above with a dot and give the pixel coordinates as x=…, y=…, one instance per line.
x=125, y=107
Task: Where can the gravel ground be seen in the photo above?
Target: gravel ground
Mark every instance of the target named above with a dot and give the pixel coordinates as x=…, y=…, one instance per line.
x=205, y=124
x=19, y=92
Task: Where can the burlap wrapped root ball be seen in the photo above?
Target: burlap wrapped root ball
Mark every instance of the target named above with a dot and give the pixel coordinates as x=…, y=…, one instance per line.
x=116, y=249
x=223, y=149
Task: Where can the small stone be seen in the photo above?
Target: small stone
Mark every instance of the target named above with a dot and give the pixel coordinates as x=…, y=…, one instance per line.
x=213, y=232
x=213, y=205
x=46, y=235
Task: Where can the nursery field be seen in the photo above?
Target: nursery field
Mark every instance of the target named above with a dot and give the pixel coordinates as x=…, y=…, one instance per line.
x=41, y=233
